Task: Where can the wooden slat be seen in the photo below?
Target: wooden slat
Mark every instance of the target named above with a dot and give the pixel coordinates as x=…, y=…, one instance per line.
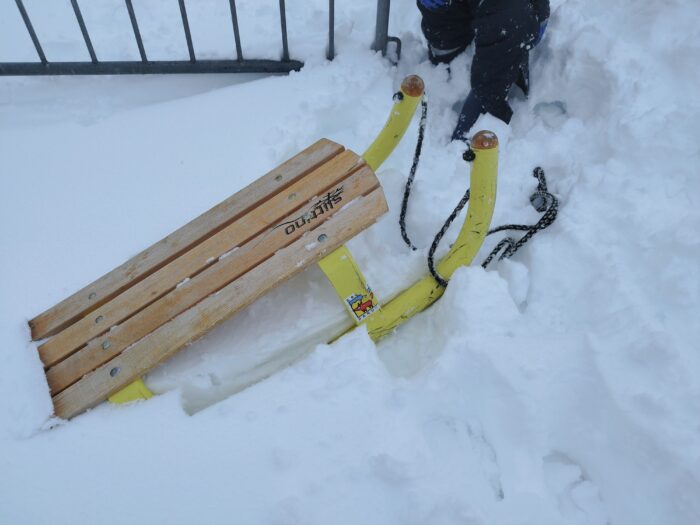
x=202, y=285
x=150, y=260
x=195, y=322
x=156, y=285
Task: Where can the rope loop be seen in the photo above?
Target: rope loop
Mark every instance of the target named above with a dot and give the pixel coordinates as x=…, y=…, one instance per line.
x=543, y=201
x=508, y=243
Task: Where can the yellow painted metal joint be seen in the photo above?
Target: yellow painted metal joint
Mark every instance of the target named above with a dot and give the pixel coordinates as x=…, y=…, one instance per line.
x=133, y=392
x=351, y=286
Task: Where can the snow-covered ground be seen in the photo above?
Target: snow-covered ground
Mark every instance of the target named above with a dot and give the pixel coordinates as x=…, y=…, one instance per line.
x=562, y=387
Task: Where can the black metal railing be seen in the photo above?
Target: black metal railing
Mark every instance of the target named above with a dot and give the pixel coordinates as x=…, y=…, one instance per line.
x=97, y=67
x=381, y=32
x=193, y=65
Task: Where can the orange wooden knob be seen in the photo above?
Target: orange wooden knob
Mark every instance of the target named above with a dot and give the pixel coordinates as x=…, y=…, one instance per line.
x=413, y=86
x=485, y=140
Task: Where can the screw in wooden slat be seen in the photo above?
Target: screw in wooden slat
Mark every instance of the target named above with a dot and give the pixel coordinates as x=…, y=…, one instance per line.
x=114, y=371
x=106, y=344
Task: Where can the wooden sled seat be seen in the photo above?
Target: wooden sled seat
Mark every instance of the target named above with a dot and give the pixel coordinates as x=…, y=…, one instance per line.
x=116, y=329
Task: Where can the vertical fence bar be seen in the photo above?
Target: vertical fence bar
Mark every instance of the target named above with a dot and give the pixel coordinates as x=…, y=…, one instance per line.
x=137, y=33
x=84, y=31
x=283, y=21
x=236, y=33
x=331, y=30
x=381, y=32
x=186, y=27
x=30, y=28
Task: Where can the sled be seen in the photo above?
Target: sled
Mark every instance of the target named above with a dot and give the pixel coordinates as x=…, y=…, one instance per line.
x=98, y=343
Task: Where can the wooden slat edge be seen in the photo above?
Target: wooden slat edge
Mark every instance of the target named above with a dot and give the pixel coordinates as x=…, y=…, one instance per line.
x=195, y=322
x=101, y=349
x=82, y=302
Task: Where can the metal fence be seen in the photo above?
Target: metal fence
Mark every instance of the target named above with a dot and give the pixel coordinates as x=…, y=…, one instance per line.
x=194, y=65
x=381, y=33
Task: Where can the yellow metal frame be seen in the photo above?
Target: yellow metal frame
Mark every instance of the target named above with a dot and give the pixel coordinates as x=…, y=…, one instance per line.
x=136, y=390
x=343, y=272
x=350, y=285
x=476, y=225
x=405, y=104
x=340, y=267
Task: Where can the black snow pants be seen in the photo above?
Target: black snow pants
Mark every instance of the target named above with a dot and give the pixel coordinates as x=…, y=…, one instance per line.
x=503, y=32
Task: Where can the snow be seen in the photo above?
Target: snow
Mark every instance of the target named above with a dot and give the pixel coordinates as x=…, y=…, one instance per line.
x=561, y=387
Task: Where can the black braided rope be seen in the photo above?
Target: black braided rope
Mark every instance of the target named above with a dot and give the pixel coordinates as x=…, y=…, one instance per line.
x=436, y=241
x=543, y=201
x=412, y=174
x=508, y=241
